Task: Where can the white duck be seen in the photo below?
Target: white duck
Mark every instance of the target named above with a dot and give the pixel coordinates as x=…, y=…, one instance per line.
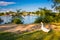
x=43, y=28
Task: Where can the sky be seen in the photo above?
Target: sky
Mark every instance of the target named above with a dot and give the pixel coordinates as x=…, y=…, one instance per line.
x=25, y=5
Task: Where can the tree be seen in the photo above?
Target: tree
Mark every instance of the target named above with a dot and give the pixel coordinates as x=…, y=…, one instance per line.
x=56, y=4
x=46, y=16
x=42, y=11
x=1, y=14
x=37, y=12
x=18, y=12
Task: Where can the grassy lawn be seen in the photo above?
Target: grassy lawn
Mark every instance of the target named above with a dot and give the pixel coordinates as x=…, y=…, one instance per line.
x=36, y=35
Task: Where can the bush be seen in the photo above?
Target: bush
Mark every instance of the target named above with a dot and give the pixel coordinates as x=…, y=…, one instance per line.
x=17, y=21
x=46, y=19
x=38, y=20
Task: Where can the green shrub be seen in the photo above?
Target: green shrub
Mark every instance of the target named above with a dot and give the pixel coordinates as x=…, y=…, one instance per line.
x=17, y=21
x=46, y=19
x=38, y=20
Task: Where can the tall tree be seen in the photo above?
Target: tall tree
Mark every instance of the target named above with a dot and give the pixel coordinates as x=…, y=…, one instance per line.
x=56, y=4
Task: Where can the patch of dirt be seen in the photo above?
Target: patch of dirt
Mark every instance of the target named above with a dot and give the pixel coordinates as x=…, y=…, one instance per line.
x=18, y=27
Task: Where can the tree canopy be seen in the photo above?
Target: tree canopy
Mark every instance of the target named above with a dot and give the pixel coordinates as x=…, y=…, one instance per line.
x=56, y=4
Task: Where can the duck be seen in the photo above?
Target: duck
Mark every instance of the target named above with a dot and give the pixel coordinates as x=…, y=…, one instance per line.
x=43, y=28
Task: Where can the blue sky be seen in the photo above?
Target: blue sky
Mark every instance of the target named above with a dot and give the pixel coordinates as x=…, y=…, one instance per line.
x=27, y=5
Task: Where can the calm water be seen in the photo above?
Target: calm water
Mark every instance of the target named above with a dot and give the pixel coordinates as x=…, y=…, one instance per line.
x=6, y=19
x=29, y=19
x=26, y=20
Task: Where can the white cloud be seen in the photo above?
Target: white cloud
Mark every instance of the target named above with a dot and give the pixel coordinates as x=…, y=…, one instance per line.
x=5, y=10
x=3, y=3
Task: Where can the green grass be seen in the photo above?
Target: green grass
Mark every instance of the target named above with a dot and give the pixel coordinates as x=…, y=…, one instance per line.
x=36, y=35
